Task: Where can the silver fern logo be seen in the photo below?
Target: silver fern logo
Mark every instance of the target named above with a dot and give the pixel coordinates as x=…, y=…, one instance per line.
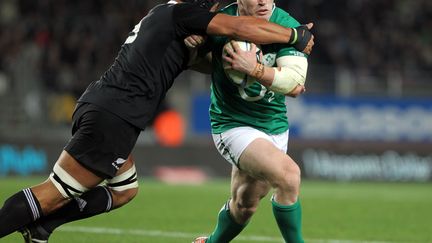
x=118, y=163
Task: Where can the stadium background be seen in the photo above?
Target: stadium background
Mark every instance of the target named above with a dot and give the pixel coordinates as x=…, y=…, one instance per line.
x=366, y=115
x=367, y=106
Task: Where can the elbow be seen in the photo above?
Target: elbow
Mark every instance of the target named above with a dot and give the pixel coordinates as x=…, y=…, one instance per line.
x=290, y=78
x=298, y=90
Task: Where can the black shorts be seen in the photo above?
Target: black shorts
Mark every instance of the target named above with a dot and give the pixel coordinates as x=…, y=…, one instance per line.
x=101, y=141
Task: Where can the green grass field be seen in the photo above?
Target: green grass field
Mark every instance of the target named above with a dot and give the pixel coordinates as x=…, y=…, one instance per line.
x=332, y=212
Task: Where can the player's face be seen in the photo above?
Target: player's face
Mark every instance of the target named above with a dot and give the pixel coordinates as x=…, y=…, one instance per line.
x=256, y=8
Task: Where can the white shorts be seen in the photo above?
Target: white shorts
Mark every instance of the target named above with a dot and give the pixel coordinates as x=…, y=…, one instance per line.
x=233, y=142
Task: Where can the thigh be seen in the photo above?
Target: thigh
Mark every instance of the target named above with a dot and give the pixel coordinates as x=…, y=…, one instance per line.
x=124, y=186
x=233, y=142
x=261, y=159
x=101, y=141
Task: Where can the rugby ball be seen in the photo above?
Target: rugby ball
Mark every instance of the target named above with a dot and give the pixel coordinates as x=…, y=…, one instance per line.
x=241, y=79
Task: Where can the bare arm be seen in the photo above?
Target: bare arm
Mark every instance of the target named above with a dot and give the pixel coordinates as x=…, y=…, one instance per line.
x=248, y=28
x=261, y=31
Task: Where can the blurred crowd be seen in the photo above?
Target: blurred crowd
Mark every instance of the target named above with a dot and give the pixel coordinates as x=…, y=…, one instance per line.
x=372, y=37
x=64, y=44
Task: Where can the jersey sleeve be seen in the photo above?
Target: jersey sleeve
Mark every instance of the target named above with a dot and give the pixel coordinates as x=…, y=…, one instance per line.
x=191, y=19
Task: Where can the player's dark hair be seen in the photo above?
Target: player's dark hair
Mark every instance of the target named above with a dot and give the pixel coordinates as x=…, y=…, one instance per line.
x=207, y=4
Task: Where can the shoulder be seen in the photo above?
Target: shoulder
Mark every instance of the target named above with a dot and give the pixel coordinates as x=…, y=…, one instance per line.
x=191, y=14
x=281, y=17
x=185, y=7
x=188, y=10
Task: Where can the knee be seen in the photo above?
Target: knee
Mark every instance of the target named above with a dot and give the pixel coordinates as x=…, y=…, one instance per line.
x=121, y=198
x=288, y=179
x=123, y=187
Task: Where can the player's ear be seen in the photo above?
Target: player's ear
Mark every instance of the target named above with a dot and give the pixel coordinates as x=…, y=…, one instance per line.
x=215, y=7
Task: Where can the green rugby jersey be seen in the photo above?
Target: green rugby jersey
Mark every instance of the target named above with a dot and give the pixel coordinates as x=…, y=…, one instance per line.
x=255, y=106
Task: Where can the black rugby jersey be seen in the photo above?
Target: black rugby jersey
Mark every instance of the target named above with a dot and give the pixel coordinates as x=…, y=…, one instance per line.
x=150, y=59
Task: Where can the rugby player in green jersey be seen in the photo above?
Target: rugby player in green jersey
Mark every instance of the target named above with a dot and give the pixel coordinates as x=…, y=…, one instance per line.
x=250, y=128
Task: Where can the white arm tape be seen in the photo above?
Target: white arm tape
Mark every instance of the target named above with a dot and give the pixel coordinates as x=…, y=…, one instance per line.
x=291, y=71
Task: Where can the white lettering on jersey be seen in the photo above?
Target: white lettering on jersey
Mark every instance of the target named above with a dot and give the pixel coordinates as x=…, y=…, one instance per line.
x=134, y=34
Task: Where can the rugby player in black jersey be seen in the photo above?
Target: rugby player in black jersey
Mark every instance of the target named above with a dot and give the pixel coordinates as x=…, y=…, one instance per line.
x=113, y=111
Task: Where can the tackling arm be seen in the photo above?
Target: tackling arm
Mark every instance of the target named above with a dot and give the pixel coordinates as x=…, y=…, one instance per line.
x=260, y=31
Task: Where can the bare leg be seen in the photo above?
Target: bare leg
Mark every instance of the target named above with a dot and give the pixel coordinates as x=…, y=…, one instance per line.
x=246, y=193
x=47, y=194
x=28, y=205
x=98, y=200
x=261, y=159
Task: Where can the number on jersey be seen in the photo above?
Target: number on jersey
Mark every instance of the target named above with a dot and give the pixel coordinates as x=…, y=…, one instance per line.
x=134, y=34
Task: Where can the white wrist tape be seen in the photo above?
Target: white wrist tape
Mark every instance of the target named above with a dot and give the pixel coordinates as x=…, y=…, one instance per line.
x=291, y=71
